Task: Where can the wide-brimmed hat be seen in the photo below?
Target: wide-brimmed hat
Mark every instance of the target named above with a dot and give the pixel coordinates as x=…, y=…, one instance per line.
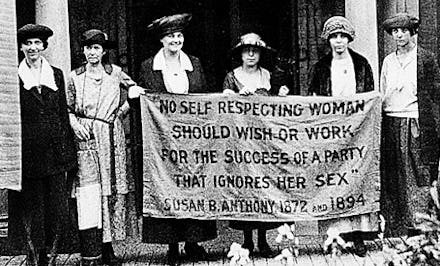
x=251, y=40
x=29, y=31
x=169, y=24
x=401, y=20
x=95, y=36
x=338, y=24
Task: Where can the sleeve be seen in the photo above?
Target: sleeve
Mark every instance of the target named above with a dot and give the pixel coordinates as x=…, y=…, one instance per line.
x=369, y=79
x=229, y=83
x=62, y=98
x=383, y=79
x=203, y=86
x=125, y=80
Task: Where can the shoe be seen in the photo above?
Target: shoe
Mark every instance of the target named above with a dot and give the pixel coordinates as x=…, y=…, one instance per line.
x=108, y=255
x=359, y=248
x=173, y=254
x=265, y=251
x=195, y=252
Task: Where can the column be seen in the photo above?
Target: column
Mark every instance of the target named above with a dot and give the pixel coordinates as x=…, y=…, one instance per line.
x=54, y=14
x=363, y=16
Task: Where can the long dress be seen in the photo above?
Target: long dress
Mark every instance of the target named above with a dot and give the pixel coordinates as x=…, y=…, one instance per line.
x=164, y=230
x=351, y=77
x=410, y=151
x=104, y=190
x=41, y=210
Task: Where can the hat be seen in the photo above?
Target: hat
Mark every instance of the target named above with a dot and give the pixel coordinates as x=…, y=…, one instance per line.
x=95, y=36
x=401, y=20
x=337, y=24
x=251, y=40
x=29, y=31
x=170, y=24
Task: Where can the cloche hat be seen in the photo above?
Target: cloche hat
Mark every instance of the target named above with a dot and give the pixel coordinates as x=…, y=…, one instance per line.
x=338, y=24
x=29, y=31
x=169, y=24
x=401, y=20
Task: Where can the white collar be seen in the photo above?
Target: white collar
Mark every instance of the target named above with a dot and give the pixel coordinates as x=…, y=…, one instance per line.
x=160, y=64
x=47, y=77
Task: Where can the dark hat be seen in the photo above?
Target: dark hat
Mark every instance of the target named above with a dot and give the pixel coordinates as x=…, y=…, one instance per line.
x=338, y=24
x=401, y=20
x=33, y=31
x=169, y=24
x=251, y=40
x=95, y=36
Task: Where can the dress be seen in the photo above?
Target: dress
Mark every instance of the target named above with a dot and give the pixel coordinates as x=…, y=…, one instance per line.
x=103, y=189
x=320, y=83
x=164, y=230
x=48, y=153
x=410, y=130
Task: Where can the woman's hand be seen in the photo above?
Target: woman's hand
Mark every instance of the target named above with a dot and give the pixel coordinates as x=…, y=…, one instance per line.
x=80, y=131
x=135, y=92
x=284, y=90
x=246, y=91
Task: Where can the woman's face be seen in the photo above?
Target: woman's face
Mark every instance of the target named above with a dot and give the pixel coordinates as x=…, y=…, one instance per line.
x=32, y=48
x=402, y=36
x=338, y=42
x=94, y=53
x=250, y=56
x=173, y=42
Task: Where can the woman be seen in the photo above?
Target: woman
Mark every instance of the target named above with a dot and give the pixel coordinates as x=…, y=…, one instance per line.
x=250, y=77
x=247, y=79
x=343, y=72
x=103, y=191
x=173, y=71
x=39, y=214
x=409, y=86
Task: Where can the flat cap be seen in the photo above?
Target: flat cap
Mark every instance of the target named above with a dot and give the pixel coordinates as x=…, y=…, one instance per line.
x=29, y=31
x=337, y=24
x=169, y=24
x=401, y=20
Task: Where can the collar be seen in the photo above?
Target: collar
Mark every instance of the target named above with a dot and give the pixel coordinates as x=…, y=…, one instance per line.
x=108, y=68
x=47, y=77
x=412, y=55
x=159, y=62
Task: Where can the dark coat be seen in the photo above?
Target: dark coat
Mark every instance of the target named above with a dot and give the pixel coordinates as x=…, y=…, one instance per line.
x=428, y=98
x=320, y=76
x=47, y=138
x=153, y=81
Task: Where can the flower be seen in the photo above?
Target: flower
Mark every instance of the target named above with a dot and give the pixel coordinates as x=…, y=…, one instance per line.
x=239, y=256
x=334, y=242
x=285, y=231
x=286, y=257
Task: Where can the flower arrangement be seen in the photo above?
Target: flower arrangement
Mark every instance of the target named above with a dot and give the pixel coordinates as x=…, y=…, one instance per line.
x=334, y=244
x=239, y=256
x=287, y=233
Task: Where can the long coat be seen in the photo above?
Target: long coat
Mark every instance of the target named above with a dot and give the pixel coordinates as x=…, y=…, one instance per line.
x=48, y=152
x=163, y=230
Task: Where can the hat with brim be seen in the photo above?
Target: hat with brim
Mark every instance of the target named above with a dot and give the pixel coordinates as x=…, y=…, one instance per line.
x=95, y=36
x=338, y=24
x=169, y=24
x=251, y=40
x=30, y=31
x=401, y=20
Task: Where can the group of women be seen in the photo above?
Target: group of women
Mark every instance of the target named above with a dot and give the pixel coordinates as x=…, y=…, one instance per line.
x=74, y=143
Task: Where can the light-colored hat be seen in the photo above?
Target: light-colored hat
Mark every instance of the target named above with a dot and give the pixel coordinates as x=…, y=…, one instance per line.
x=401, y=20
x=338, y=24
x=169, y=24
x=251, y=40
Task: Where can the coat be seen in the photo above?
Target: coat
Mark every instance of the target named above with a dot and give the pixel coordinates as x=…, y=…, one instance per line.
x=320, y=77
x=47, y=138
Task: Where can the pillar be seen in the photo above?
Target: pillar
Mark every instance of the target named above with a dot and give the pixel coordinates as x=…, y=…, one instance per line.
x=363, y=16
x=54, y=14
